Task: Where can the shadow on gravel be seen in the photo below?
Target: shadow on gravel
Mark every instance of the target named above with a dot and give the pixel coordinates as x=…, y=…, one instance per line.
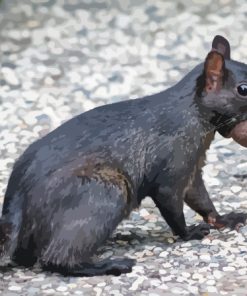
x=7, y=268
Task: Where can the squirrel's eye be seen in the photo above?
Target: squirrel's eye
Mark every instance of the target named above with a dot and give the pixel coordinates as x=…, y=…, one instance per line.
x=242, y=90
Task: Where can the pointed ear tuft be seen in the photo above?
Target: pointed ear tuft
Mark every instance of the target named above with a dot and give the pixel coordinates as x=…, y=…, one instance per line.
x=221, y=45
x=214, y=68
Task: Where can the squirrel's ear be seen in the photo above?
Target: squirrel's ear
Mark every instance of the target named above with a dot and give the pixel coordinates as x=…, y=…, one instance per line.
x=214, y=71
x=221, y=45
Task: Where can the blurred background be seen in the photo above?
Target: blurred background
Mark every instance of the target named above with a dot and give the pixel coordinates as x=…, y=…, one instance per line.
x=62, y=57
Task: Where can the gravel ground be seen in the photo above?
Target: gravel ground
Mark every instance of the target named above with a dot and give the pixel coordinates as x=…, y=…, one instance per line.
x=60, y=58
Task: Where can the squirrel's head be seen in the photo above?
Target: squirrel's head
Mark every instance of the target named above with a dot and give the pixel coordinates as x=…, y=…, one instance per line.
x=222, y=89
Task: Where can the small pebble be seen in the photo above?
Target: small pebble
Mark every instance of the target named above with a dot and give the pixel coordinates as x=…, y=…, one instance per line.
x=15, y=288
x=236, y=189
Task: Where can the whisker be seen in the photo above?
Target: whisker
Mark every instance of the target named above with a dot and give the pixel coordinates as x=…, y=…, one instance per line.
x=222, y=124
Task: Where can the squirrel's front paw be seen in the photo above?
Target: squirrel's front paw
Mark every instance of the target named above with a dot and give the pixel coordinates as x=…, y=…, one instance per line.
x=231, y=220
x=196, y=231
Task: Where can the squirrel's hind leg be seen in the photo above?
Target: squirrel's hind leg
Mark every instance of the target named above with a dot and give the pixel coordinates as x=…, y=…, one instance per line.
x=79, y=230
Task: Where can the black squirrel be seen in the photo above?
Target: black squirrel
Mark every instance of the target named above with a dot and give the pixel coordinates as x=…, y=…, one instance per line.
x=70, y=189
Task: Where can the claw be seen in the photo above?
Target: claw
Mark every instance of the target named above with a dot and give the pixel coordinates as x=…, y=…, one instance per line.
x=232, y=220
x=197, y=231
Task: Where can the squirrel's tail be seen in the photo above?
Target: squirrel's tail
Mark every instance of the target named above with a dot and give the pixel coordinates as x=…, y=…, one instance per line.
x=6, y=237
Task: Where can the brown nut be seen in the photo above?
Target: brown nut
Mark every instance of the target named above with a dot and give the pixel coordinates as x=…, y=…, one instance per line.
x=239, y=133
